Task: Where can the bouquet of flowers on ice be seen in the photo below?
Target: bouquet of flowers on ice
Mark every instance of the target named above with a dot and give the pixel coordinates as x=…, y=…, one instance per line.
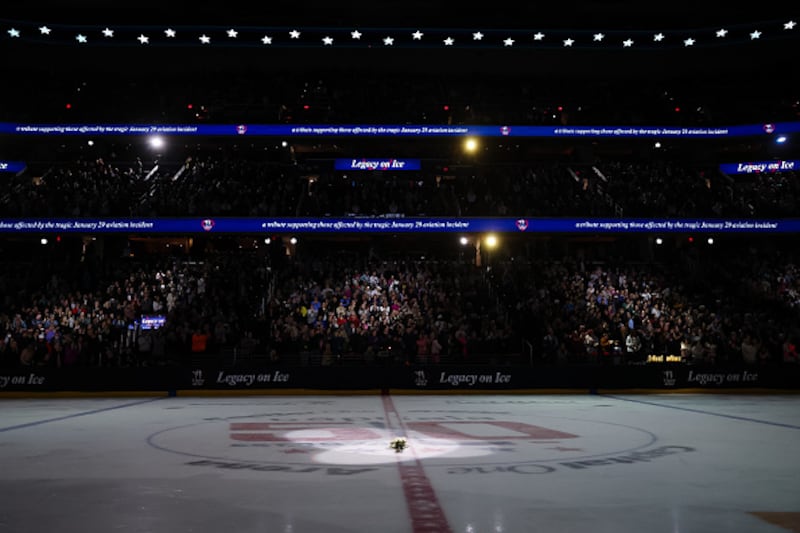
x=398, y=444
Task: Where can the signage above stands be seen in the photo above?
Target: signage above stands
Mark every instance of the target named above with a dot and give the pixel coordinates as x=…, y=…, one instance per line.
x=395, y=225
x=759, y=167
x=377, y=164
x=398, y=130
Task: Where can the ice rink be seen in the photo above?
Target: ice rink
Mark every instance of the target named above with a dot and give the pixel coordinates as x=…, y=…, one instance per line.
x=688, y=463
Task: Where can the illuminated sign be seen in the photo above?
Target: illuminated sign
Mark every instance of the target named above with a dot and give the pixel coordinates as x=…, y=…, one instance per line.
x=12, y=166
x=397, y=130
x=184, y=226
x=377, y=164
x=757, y=167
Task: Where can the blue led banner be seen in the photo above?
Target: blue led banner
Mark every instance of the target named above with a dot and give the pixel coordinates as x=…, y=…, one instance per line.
x=757, y=167
x=395, y=225
x=377, y=164
x=399, y=130
x=12, y=166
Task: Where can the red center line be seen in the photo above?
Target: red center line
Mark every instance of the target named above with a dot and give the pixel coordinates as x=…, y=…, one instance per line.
x=427, y=515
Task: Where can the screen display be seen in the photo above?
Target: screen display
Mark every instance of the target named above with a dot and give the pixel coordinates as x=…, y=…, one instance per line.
x=152, y=321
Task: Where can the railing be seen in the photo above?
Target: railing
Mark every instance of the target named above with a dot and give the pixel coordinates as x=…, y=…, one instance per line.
x=527, y=349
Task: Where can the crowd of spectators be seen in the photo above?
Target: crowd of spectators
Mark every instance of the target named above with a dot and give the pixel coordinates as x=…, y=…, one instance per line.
x=230, y=185
x=92, y=315
x=359, y=305
x=415, y=311
x=617, y=312
x=225, y=304
x=325, y=308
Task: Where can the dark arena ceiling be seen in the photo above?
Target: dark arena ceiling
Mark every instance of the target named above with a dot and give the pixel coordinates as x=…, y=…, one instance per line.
x=737, y=55
x=754, y=61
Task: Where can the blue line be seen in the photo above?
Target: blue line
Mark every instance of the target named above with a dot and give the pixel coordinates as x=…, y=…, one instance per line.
x=734, y=417
x=75, y=415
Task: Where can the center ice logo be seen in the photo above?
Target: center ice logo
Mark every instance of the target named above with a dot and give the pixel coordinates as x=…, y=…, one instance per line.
x=241, y=129
x=522, y=224
x=317, y=439
x=208, y=224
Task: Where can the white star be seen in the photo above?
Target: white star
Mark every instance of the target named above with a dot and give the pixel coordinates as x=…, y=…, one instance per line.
x=658, y=37
x=327, y=41
x=355, y=34
x=266, y=39
x=205, y=39
x=508, y=42
x=388, y=41
x=44, y=30
x=755, y=35
x=538, y=36
x=477, y=36
x=108, y=32
x=13, y=32
x=233, y=34
x=143, y=39
x=417, y=35
x=790, y=25
x=569, y=42
x=448, y=42
x=81, y=38
x=627, y=43
x=722, y=33
x=294, y=34
x=598, y=37
x=688, y=42
x=169, y=32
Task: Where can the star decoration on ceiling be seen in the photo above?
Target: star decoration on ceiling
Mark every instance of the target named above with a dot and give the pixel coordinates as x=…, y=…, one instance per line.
x=518, y=38
x=143, y=39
